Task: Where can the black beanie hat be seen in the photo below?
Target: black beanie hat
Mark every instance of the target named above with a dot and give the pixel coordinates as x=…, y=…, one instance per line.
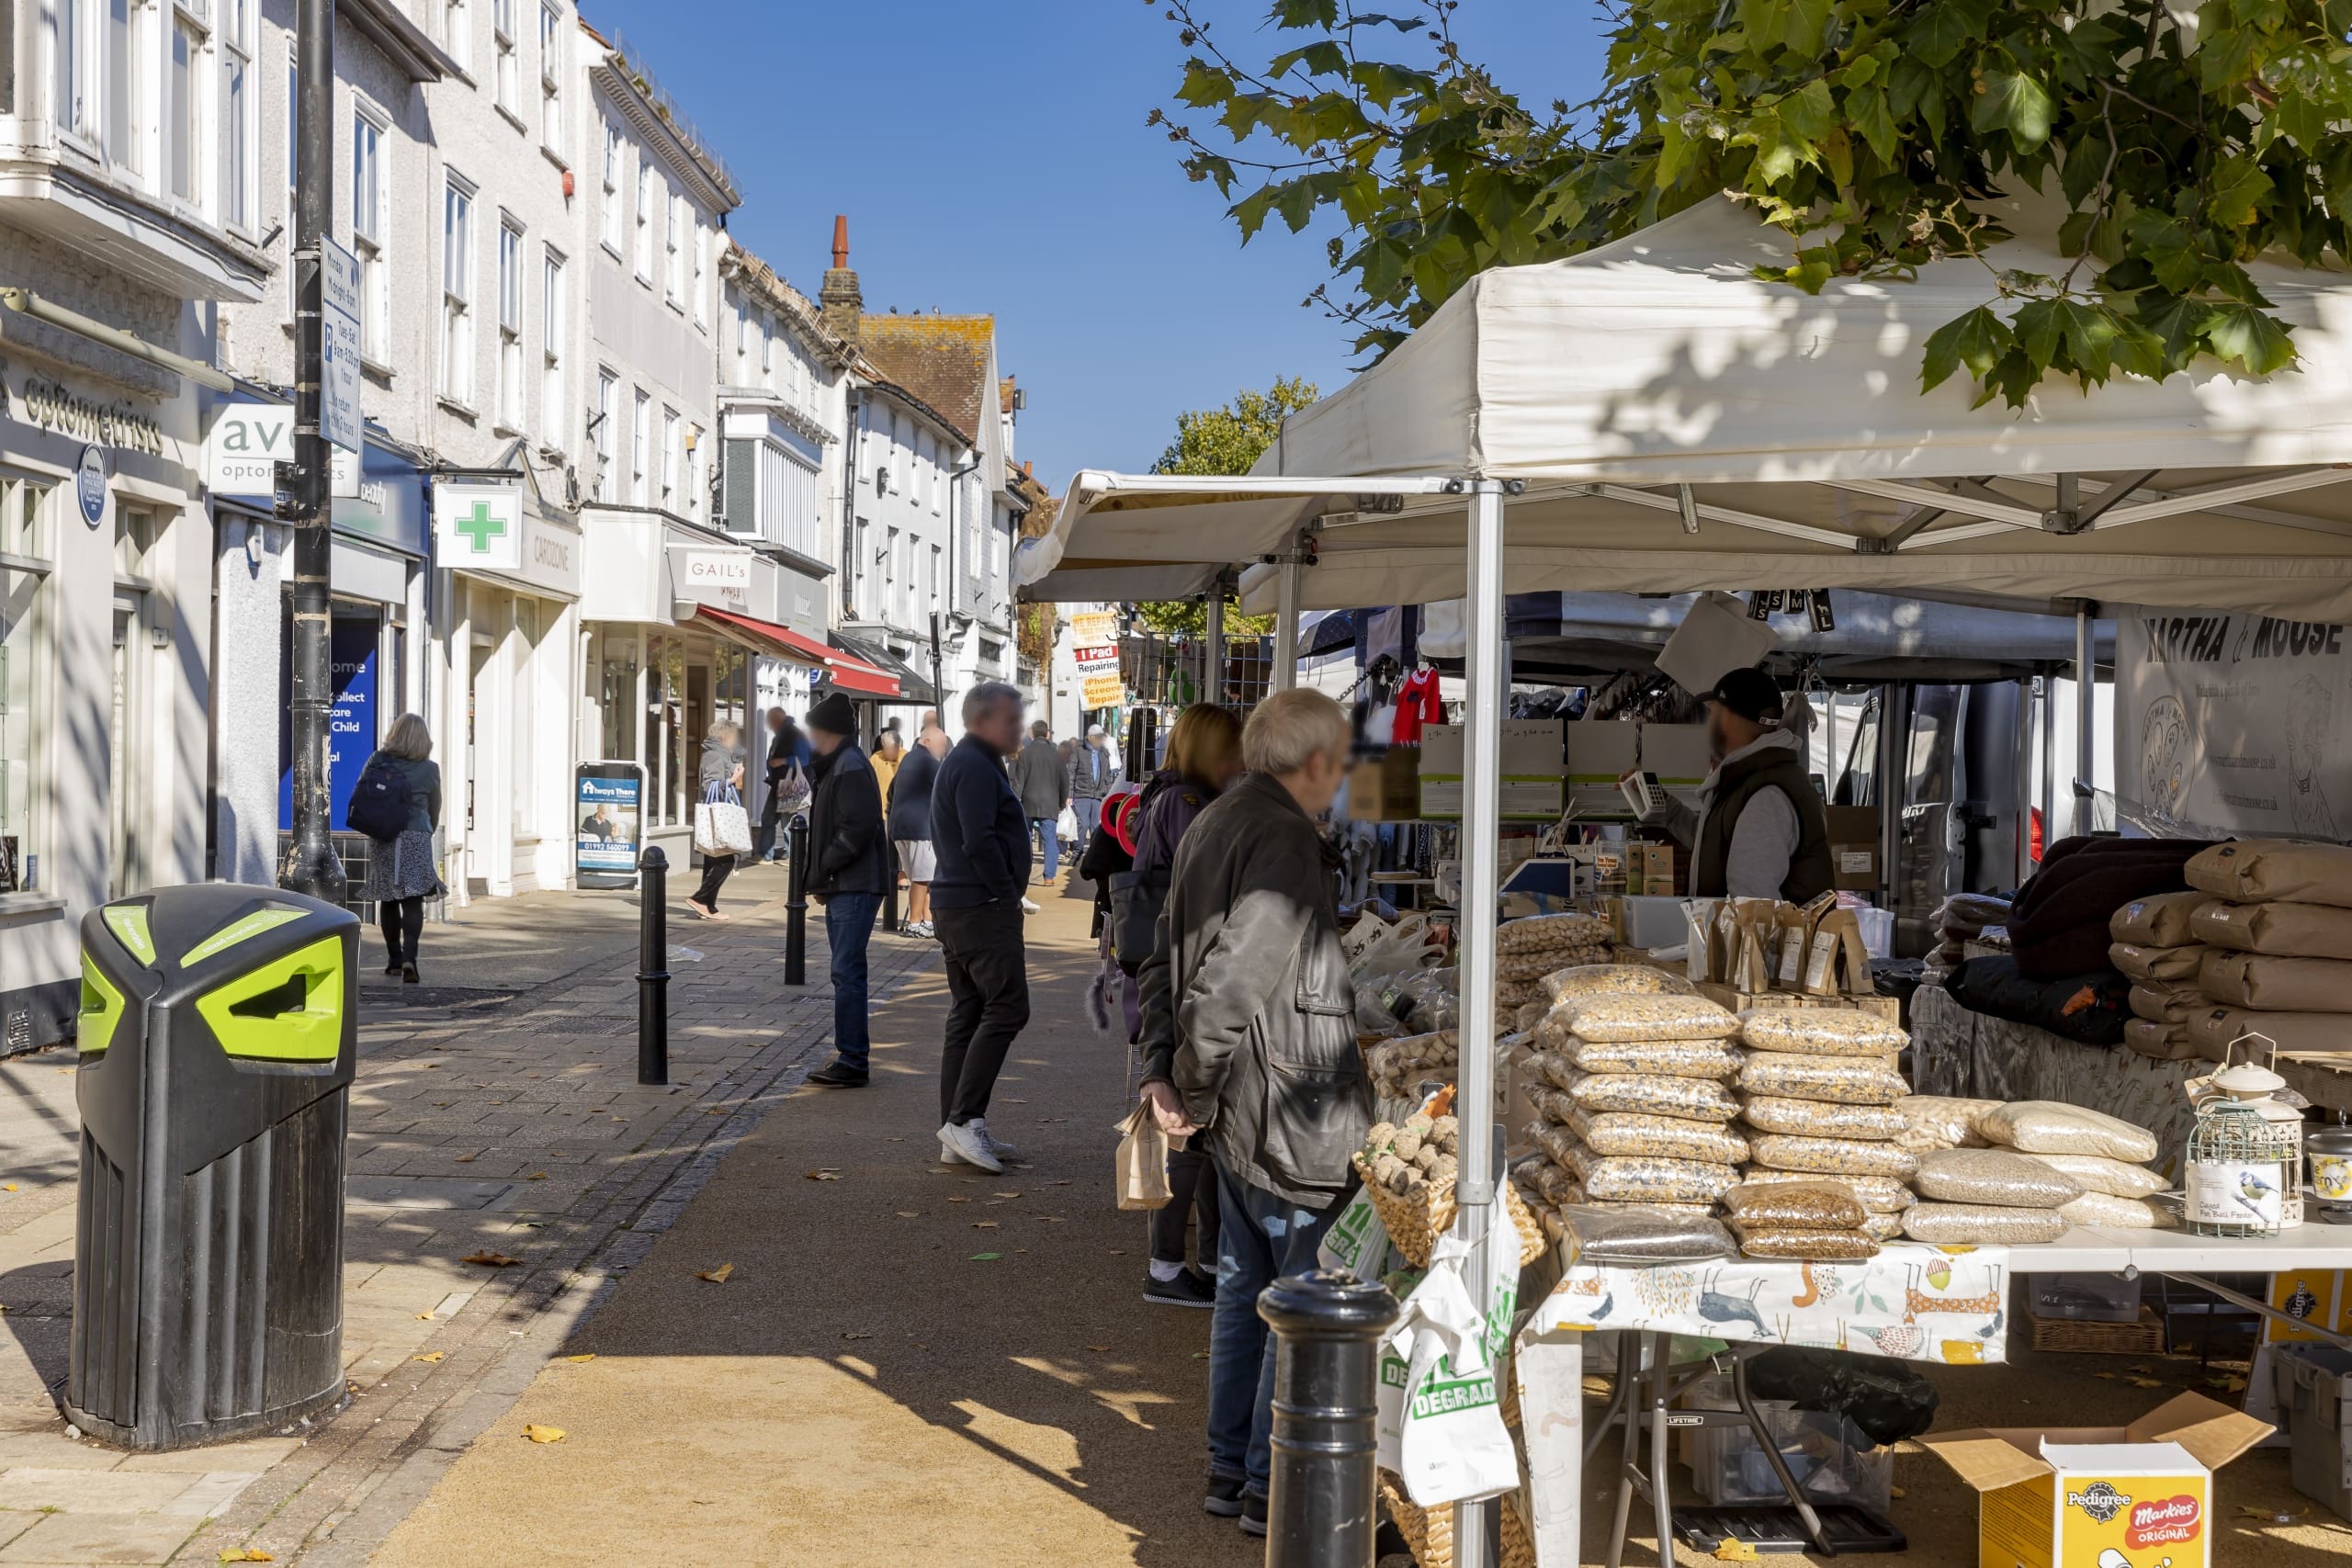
x=1752, y=694
x=835, y=715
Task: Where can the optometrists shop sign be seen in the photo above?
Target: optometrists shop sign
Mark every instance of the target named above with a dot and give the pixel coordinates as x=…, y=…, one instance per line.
x=2235, y=724
x=478, y=527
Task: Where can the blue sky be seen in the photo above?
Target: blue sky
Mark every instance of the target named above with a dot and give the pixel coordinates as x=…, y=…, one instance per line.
x=993, y=157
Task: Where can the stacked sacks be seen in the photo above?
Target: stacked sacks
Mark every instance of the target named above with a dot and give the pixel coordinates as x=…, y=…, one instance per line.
x=2279, y=928
x=2156, y=948
x=1629, y=1092
x=1527, y=950
x=1809, y=1222
x=2103, y=1156
x=1991, y=1197
x=1819, y=1093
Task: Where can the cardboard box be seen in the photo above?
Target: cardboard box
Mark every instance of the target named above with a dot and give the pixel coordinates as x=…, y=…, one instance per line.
x=1677, y=754
x=1386, y=788
x=1853, y=848
x=1646, y=922
x=2081, y=1498
x=1651, y=871
x=1530, y=788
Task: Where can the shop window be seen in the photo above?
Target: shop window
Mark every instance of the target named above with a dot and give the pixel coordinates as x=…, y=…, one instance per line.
x=238, y=105
x=551, y=79
x=508, y=68
x=668, y=775
x=368, y=204
x=617, y=698
x=25, y=715
x=510, y=324
x=609, y=224
x=456, y=293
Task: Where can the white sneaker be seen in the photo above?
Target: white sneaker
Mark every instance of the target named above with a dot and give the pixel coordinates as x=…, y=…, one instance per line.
x=1003, y=1151
x=966, y=1146
x=1028, y=905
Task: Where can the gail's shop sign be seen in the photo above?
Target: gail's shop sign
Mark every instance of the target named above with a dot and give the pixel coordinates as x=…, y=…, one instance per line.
x=713, y=576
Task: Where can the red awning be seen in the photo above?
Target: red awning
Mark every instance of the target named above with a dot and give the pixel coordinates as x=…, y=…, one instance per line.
x=851, y=674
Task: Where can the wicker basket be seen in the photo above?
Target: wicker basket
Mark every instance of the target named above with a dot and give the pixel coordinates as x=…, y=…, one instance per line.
x=2075, y=1337
x=1415, y=1223
x=1429, y=1531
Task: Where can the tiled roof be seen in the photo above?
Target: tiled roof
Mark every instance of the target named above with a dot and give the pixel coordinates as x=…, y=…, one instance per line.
x=943, y=360
x=759, y=278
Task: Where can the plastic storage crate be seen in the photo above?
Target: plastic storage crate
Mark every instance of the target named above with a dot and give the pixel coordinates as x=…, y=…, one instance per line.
x=1827, y=1455
x=2313, y=1383
x=2082, y=1298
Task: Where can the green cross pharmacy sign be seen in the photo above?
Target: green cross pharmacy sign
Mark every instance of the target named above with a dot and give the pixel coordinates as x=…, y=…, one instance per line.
x=478, y=527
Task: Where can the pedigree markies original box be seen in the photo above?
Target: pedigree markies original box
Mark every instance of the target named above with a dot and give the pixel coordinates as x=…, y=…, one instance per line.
x=2136, y=1496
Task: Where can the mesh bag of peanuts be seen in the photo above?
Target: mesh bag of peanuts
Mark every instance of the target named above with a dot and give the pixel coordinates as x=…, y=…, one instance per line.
x=1539, y=934
x=1819, y=1032
x=1647, y=1018
x=1839, y=1080
x=1398, y=1066
x=1716, y=1059
x=1585, y=980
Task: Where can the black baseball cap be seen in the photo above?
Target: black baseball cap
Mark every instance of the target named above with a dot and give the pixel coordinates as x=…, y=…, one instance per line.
x=1752, y=694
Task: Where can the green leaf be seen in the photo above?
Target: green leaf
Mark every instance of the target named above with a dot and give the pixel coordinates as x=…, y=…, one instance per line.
x=2256, y=340
x=1251, y=211
x=2017, y=103
x=1324, y=14
x=1942, y=29
x=2040, y=329
x=2239, y=186
x=1867, y=111
x=2090, y=332
x=1295, y=201
x=1321, y=58
x=2169, y=247
x=1805, y=27
x=1204, y=84
x=985, y=1257
x=1977, y=340
x=1809, y=112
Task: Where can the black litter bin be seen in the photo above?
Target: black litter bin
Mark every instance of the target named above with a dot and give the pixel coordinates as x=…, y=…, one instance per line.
x=218, y=1031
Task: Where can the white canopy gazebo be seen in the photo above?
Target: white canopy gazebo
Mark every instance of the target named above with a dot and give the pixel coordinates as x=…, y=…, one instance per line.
x=1651, y=417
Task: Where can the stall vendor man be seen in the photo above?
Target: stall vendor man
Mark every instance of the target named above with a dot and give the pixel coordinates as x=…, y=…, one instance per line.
x=1760, y=830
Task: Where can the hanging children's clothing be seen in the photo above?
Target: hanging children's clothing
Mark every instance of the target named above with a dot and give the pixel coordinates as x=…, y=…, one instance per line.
x=1416, y=703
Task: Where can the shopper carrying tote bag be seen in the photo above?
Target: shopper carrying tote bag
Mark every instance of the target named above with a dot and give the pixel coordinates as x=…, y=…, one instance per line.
x=722, y=828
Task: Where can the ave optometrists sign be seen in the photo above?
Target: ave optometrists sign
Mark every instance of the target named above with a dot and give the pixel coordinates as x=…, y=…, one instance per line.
x=478, y=526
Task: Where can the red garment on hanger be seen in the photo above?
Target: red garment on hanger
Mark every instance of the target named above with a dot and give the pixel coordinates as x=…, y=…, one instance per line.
x=1416, y=703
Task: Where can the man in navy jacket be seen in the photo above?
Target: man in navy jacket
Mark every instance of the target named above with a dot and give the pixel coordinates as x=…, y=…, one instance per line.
x=981, y=839
x=848, y=870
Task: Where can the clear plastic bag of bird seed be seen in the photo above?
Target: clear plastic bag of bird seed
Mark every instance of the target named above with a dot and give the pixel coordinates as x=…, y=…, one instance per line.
x=1671, y=1137
x=1612, y=980
x=1637, y=1236
x=1819, y=1032
x=1668, y=1058
x=1652, y=1180
x=1807, y=1245
x=1985, y=1225
x=1993, y=1176
x=2053, y=1127
x=1879, y=1195
x=1794, y=1206
x=1649, y=1018
x=1832, y=1156
x=1840, y=1080
x=1694, y=1099
x=1817, y=1119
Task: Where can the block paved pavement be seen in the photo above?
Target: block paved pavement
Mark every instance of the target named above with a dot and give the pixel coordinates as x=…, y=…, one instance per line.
x=496, y=1108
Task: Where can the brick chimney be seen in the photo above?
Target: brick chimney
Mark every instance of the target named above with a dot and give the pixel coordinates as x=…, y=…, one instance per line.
x=841, y=304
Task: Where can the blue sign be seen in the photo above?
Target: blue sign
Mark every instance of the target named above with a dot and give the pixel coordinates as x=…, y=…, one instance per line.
x=90, y=484
x=607, y=816
x=352, y=720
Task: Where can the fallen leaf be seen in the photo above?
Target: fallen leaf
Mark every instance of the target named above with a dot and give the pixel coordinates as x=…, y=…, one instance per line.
x=489, y=1258
x=716, y=1111
x=2104, y=1377
x=1199, y=1355
x=539, y=1434
x=960, y=1200
x=2270, y=1516
x=1894, y=1491
x=250, y=1554
x=984, y=1225
x=463, y=1159
x=822, y=1175
x=586, y=1356
x=859, y=1336
x=7, y=1187
x=718, y=1276
x=910, y=1213
x=2144, y=1383
x=1730, y=1549
x=1118, y=1251
x=1058, y=1181
x=984, y=1258
x=2141, y=1371
x=429, y=1355
x=1004, y=1194
x=426, y=1316
x=537, y=1175
x=1048, y=1219
x=1098, y=1347
x=2229, y=1382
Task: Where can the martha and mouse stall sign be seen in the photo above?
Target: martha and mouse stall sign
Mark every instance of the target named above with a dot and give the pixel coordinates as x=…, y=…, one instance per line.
x=2237, y=723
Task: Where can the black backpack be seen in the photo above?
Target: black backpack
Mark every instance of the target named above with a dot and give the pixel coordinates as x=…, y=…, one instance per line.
x=382, y=805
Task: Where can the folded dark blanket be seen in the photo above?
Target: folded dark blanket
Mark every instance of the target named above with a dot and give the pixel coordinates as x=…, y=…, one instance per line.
x=2091, y=1008
x=2058, y=925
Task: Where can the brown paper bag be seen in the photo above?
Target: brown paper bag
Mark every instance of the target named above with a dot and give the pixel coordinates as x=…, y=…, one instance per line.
x=2164, y=1042
x=2288, y=931
x=2141, y=961
x=1839, y=963
x=2165, y=1001
x=1142, y=1161
x=2160, y=920
x=2277, y=985
x=2262, y=871
x=2319, y=1033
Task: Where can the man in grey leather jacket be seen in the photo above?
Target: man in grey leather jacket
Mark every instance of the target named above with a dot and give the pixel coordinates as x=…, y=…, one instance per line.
x=1248, y=1036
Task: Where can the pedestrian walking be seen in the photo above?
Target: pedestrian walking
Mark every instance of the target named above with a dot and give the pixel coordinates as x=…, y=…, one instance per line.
x=889, y=753
x=1043, y=783
x=1203, y=760
x=787, y=780
x=400, y=872
x=908, y=810
x=848, y=872
x=979, y=833
x=1094, y=778
x=721, y=775
x=1249, y=1034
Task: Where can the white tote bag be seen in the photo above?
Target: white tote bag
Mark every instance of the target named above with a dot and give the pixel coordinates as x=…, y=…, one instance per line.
x=722, y=828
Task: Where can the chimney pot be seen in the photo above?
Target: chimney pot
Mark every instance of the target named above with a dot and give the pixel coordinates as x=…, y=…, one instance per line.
x=840, y=239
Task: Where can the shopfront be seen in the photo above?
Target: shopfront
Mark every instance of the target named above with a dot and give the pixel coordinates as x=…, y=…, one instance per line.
x=508, y=626
x=104, y=671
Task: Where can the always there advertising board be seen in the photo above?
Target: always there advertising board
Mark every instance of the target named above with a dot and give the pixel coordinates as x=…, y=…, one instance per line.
x=2235, y=724
x=607, y=817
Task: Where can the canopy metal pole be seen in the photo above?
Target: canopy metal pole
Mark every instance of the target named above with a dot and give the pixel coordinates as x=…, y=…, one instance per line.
x=2023, y=799
x=1481, y=805
x=2085, y=688
x=1212, y=650
x=1829, y=770
x=1286, y=622
x=2049, y=757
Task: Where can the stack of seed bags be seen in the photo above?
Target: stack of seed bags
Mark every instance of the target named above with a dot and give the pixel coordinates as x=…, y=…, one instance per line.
x=2156, y=947
x=1989, y=1197
x=1630, y=1103
x=1818, y=1093
x=2104, y=1156
x=1809, y=1222
x=1527, y=950
x=2280, y=924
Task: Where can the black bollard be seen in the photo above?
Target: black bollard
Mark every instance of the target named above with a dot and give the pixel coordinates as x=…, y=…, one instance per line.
x=654, y=968
x=1321, y=1504
x=890, y=886
x=796, y=917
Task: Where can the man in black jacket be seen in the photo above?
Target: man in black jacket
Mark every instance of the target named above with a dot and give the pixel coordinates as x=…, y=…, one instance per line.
x=980, y=836
x=848, y=870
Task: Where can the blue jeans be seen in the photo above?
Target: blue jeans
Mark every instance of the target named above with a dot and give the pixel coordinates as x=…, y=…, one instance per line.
x=1089, y=814
x=1049, y=842
x=849, y=923
x=1261, y=1238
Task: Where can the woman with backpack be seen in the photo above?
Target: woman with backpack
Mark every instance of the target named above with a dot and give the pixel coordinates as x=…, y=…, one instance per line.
x=1204, y=758
x=400, y=872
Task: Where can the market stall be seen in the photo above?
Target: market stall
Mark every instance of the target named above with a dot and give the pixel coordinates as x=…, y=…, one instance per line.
x=1649, y=417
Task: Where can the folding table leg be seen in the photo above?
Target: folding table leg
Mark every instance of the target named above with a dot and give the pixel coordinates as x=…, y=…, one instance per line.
x=1621, y=1394
x=1660, y=1497
x=1765, y=1440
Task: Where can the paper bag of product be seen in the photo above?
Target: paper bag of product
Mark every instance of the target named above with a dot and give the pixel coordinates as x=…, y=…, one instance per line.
x=1797, y=922
x=1703, y=958
x=1837, y=964
x=1142, y=1162
x=1757, y=922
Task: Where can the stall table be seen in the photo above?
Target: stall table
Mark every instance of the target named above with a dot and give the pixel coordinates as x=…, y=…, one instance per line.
x=1740, y=1301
